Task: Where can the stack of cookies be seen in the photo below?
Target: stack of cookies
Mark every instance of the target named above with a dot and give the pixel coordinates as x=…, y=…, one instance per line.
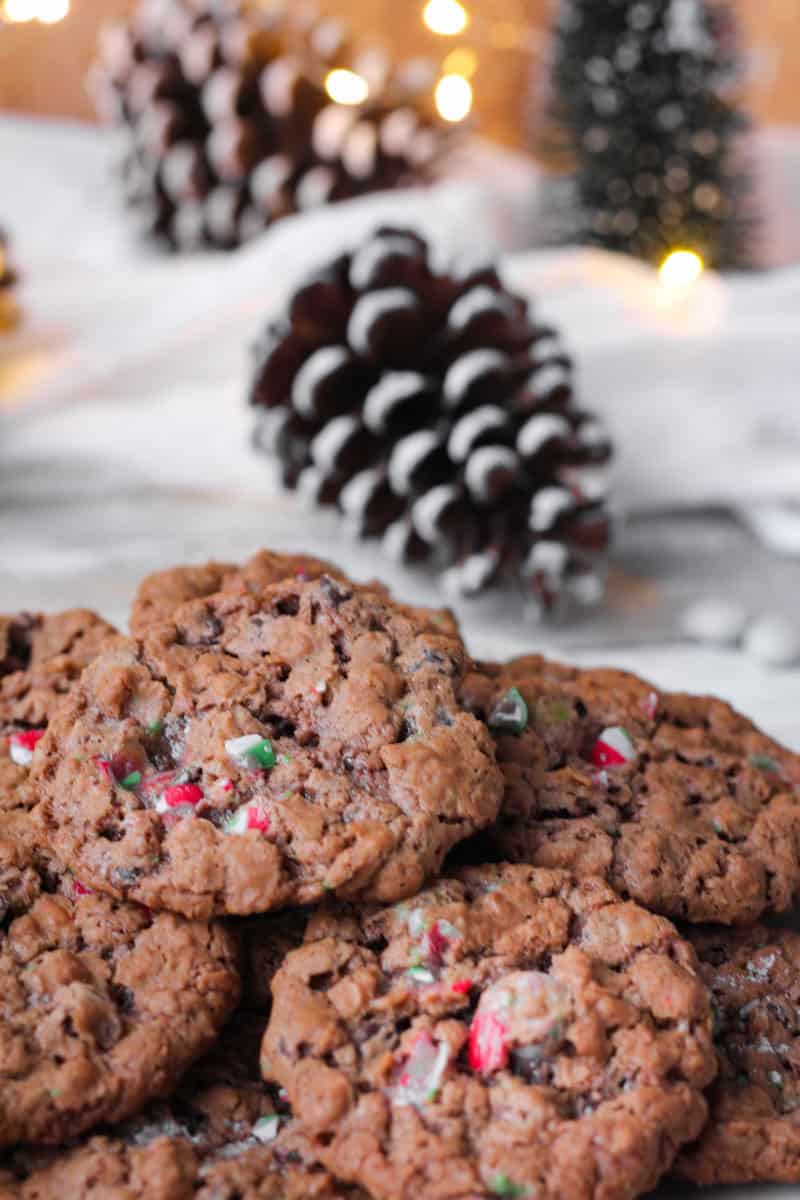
x=300, y=901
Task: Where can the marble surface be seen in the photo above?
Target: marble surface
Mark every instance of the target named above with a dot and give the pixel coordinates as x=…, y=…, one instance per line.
x=122, y=452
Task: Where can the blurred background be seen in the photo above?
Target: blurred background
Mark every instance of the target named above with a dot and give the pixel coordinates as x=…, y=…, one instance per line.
x=632, y=165
x=43, y=68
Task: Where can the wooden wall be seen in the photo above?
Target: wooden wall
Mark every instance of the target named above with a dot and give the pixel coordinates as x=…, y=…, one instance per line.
x=42, y=68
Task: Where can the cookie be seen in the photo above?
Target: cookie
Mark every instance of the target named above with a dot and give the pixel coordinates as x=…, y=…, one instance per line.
x=159, y=595
x=678, y=801
x=511, y=1031
x=221, y=1137
x=41, y=657
x=262, y=750
x=753, y=1135
x=102, y=1005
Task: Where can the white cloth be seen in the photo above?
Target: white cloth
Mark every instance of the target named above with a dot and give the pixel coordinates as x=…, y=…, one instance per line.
x=701, y=392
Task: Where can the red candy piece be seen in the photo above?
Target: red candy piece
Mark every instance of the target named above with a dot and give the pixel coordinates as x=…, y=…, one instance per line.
x=80, y=889
x=256, y=819
x=436, y=944
x=181, y=794
x=488, y=1043
x=613, y=748
x=461, y=986
x=27, y=739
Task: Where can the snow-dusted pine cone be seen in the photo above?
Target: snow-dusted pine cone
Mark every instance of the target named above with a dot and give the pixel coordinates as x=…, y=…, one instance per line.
x=226, y=124
x=436, y=413
x=9, y=311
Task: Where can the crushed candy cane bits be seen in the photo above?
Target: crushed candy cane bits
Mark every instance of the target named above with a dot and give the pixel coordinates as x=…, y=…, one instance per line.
x=247, y=817
x=422, y=1073
x=251, y=751
x=22, y=745
x=613, y=748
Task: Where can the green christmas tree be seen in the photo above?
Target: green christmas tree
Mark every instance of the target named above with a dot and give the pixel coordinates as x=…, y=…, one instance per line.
x=644, y=109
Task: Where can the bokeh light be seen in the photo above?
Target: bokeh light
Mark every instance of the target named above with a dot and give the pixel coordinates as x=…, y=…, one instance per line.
x=346, y=87
x=454, y=98
x=680, y=269
x=448, y=18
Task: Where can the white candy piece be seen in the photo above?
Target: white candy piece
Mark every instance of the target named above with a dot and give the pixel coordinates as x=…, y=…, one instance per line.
x=773, y=640
x=21, y=755
x=718, y=622
x=266, y=1129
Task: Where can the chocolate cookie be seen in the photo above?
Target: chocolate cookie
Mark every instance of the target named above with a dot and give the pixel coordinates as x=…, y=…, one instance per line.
x=260, y=751
x=754, y=1131
x=159, y=595
x=223, y=1136
x=677, y=801
x=102, y=1005
x=511, y=1031
x=41, y=657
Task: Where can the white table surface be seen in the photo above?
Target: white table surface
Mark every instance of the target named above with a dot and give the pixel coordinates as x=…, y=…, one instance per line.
x=134, y=458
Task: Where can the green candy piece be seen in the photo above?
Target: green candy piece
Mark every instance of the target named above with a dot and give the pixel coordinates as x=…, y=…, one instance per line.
x=155, y=727
x=131, y=782
x=764, y=762
x=263, y=754
x=510, y=715
x=501, y=1185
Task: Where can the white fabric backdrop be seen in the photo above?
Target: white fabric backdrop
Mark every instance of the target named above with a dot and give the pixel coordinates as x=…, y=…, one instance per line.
x=701, y=392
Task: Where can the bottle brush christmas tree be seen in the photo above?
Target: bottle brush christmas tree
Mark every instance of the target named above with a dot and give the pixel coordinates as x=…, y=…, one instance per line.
x=644, y=108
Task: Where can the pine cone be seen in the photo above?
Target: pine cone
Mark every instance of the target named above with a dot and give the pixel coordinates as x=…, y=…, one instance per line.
x=437, y=414
x=227, y=126
x=9, y=310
